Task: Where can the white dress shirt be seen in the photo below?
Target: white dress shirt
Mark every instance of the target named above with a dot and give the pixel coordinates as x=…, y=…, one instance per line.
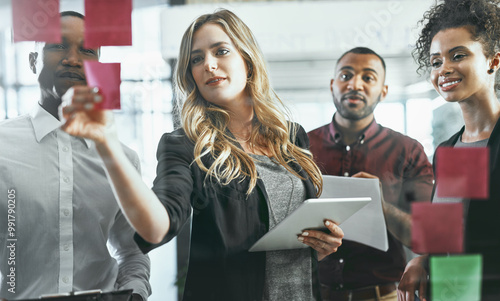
x=61, y=229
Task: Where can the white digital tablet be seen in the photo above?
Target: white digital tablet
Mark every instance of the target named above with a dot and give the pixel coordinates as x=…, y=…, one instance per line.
x=309, y=215
x=367, y=226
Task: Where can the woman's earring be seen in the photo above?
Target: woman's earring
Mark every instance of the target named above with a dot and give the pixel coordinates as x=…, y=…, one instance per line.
x=491, y=71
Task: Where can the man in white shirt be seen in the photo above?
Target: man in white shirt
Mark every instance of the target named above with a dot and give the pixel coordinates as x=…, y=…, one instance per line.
x=61, y=229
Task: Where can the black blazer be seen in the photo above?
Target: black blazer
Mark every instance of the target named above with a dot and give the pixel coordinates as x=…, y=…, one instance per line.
x=226, y=222
x=482, y=231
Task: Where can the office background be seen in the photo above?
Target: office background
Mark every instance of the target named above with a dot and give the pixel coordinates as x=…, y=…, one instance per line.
x=301, y=41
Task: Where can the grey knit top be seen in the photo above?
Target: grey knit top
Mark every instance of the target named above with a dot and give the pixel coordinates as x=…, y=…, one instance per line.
x=288, y=272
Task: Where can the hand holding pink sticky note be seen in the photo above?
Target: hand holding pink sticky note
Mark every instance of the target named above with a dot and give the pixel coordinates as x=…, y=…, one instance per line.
x=108, y=23
x=437, y=228
x=105, y=76
x=463, y=172
x=36, y=20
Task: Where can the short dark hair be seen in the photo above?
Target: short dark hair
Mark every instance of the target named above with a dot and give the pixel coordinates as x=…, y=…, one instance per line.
x=72, y=14
x=67, y=13
x=480, y=17
x=362, y=50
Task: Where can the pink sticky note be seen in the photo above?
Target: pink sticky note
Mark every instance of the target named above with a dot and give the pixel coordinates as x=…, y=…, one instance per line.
x=105, y=76
x=36, y=20
x=463, y=172
x=108, y=23
x=437, y=228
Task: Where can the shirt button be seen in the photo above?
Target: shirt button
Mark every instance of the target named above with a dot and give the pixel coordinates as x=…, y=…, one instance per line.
x=66, y=180
x=347, y=148
x=65, y=148
x=341, y=261
x=65, y=279
x=66, y=247
x=66, y=212
x=346, y=174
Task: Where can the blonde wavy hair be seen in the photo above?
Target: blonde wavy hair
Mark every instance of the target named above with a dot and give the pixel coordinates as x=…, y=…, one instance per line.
x=207, y=124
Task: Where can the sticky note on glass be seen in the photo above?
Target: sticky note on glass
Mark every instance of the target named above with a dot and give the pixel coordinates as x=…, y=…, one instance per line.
x=108, y=23
x=437, y=228
x=36, y=20
x=463, y=172
x=105, y=76
x=456, y=278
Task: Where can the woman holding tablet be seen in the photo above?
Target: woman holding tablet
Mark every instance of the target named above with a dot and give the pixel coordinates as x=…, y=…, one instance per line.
x=236, y=163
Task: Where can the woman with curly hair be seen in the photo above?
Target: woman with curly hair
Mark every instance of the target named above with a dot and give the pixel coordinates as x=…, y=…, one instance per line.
x=236, y=163
x=460, y=46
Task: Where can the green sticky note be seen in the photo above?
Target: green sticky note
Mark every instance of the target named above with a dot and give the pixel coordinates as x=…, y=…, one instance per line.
x=456, y=278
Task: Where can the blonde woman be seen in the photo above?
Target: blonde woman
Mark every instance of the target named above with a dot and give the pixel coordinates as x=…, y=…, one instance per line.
x=237, y=163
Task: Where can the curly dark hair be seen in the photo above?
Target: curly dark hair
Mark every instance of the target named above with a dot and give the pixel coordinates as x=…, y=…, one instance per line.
x=481, y=17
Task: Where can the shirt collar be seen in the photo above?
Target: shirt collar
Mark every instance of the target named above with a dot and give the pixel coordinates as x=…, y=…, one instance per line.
x=368, y=132
x=44, y=123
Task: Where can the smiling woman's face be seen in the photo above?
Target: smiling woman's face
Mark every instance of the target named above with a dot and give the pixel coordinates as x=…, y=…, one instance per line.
x=218, y=68
x=459, y=66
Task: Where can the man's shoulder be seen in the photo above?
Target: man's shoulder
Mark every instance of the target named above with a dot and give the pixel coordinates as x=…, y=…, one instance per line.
x=16, y=130
x=320, y=131
x=20, y=122
x=128, y=150
x=132, y=155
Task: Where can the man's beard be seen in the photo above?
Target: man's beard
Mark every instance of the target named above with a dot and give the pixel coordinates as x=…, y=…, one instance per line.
x=346, y=112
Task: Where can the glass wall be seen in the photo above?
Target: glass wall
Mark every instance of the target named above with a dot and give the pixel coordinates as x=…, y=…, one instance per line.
x=146, y=105
x=301, y=63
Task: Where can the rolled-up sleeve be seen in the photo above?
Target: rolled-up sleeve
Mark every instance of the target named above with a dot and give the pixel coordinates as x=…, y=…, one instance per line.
x=173, y=184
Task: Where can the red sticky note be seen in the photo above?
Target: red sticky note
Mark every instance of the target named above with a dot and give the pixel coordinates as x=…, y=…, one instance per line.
x=437, y=228
x=463, y=172
x=108, y=23
x=36, y=20
x=105, y=76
